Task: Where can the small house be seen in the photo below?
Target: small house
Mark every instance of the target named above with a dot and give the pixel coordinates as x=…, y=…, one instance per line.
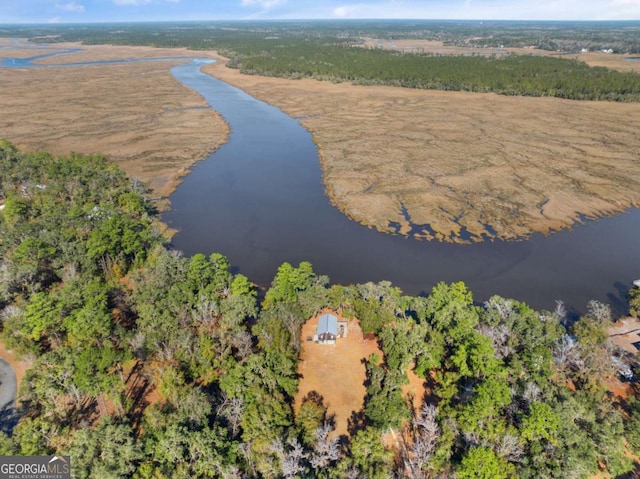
x=329, y=329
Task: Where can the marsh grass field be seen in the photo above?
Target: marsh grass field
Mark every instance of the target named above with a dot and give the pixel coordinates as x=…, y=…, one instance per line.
x=452, y=166
x=136, y=114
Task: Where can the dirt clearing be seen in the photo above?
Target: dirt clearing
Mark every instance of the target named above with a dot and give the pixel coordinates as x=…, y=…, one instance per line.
x=335, y=371
x=625, y=334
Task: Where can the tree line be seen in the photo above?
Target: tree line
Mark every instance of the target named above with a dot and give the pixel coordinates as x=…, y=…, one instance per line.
x=147, y=364
x=521, y=75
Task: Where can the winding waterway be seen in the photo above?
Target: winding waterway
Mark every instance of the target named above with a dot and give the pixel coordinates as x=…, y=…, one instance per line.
x=259, y=199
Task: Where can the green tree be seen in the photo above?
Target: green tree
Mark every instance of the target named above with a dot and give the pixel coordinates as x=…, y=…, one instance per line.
x=108, y=451
x=42, y=316
x=450, y=308
x=483, y=463
x=288, y=282
x=632, y=426
x=541, y=423
x=311, y=416
x=369, y=455
x=633, y=298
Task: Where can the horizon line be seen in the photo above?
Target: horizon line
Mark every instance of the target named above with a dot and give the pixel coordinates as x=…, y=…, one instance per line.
x=332, y=19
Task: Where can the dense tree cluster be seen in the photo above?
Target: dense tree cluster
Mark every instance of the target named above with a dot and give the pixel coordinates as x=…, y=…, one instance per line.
x=150, y=365
x=524, y=75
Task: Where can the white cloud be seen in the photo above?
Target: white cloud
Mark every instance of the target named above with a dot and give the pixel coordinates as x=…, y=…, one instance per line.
x=132, y=3
x=625, y=3
x=266, y=4
x=388, y=9
x=54, y=20
x=345, y=11
x=624, y=9
x=72, y=6
x=488, y=9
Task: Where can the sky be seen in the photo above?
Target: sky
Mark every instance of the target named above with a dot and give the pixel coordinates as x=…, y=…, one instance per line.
x=79, y=11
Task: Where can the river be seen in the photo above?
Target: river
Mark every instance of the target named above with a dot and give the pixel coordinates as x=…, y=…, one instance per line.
x=259, y=200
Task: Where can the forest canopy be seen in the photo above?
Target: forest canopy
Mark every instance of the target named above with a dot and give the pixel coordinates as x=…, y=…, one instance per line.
x=147, y=364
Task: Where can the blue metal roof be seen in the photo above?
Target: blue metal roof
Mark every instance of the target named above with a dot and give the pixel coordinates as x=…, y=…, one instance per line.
x=328, y=323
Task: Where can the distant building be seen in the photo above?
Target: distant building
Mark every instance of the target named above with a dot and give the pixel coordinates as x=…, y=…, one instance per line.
x=329, y=329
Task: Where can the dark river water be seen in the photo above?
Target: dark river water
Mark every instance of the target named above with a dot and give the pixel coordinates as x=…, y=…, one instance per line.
x=259, y=200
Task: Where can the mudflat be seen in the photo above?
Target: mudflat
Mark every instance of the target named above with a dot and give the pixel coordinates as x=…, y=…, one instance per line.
x=136, y=114
x=460, y=166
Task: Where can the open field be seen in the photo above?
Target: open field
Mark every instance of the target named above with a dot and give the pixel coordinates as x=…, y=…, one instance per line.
x=136, y=114
x=460, y=166
x=335, y=371
x=439, y=48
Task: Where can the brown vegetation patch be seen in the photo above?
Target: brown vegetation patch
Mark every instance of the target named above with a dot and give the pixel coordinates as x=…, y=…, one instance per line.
x=335, y=371
x=619, y=388
x=91, y=53
x=136, y=114
x=488, y=164
x=416, y=390
x=437, y=164
x=24, y=52
x=623, y=63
